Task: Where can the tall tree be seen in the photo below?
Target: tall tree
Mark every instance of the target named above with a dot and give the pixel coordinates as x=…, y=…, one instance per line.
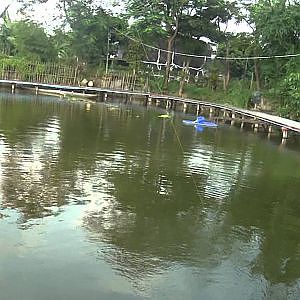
x=171, y=20
x=30, y=40
x=6, y=45
x=85, y=25
x=161, y=18
x=275, y=31
x=88, y=24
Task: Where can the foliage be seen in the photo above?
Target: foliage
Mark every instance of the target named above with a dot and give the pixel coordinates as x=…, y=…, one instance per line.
x=90, y=33
x=290, y=96
x=6, y=45
x=277, y=24
x=31, y=41
x=135, y=55
x=178, y=21
x=91, y=26
x=89, y=30
x=21, y=66
x=237, y=94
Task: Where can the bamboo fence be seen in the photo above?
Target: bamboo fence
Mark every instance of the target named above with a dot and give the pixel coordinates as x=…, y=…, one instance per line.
x=53, y=73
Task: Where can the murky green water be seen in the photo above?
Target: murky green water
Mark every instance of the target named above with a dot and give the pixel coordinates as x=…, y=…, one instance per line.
x=105, y=204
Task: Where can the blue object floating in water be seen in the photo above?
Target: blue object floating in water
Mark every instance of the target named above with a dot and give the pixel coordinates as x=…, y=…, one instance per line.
x=200, y=121
x=199, y=128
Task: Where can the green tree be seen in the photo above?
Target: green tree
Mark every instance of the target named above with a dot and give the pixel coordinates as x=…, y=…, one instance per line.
x=6, y=46
x=276, y=24
x=31, y=41
x=205, y=20
x=90, y=26
x=62, y=41
x=290, y=96
x=159, y=18
x=175, y=20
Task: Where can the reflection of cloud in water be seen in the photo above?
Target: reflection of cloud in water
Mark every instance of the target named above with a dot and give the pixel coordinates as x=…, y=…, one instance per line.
x=4, y=150
x=27, y=172
x=44, y=142
x=222, y=170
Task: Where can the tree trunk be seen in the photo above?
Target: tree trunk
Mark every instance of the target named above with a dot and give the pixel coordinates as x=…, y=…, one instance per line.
x=183, y=77
x=171, y=40
x=227, y=76
x=257, y=74
x=168, y=63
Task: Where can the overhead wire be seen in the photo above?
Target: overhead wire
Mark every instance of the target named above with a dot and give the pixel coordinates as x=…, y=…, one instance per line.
x=206, y=56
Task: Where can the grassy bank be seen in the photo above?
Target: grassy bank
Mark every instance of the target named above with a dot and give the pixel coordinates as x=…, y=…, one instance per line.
x=237, y=94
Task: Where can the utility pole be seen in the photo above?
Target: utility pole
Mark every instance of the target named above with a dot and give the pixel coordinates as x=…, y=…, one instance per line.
x=107, y=54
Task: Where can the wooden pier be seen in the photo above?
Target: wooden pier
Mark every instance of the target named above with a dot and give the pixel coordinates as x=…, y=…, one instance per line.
x=257, y=119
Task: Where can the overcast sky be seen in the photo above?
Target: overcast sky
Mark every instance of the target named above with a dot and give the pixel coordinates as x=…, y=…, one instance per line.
x=45, y=13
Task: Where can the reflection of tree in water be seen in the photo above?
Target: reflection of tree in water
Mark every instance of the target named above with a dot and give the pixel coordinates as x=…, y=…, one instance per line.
x=50, y=148
x=32, y=180
x=155, y=219
x=140, y=245
x=269, y=213
x=153, y=225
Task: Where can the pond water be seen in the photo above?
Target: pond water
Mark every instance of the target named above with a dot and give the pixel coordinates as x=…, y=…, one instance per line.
x=111, y=202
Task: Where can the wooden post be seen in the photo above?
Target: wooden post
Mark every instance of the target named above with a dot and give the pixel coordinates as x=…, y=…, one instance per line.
x=88, y=106
x=36, y=90
x=13, y=87
x=184, y=107
x=198, y=109
x=232, y=118
x=284, y=132
x=270, y=131
x=211, y=111
x=242, y=124
x=256, y=127
x=171, y=103
x=284, y=135
x=174, y=104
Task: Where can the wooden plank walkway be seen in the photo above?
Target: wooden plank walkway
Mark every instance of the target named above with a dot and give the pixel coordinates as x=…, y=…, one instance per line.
x=78, y=89
x=268, y=118
x=283, y=123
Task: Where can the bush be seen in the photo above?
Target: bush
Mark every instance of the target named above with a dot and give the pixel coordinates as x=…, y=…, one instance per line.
x=289, y=93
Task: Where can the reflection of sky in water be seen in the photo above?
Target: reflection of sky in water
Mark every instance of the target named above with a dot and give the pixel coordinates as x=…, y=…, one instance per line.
x=29, y=165
x=222, y=170
x=4, y=149
x=45, y=141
